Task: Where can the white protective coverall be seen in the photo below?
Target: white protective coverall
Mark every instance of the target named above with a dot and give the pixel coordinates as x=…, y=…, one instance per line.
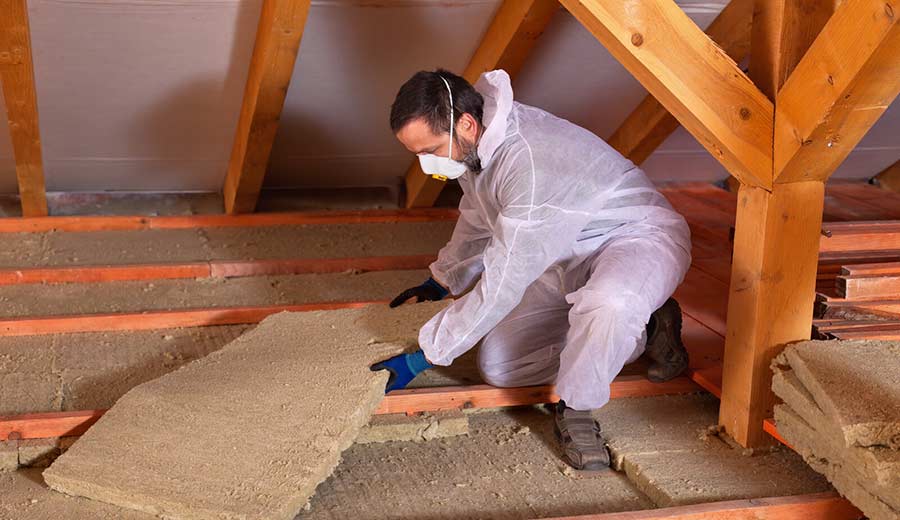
x=574, y=247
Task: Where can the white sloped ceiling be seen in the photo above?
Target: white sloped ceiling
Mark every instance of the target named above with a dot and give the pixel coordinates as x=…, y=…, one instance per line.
x=145, y=94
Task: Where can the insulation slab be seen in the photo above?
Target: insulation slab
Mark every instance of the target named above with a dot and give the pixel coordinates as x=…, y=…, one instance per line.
x=665, y=447
x=250, y=430
x=856, y=384
x=880, y=466
x=821, y=457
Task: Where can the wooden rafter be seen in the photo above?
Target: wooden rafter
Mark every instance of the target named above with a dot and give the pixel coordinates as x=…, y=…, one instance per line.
x=278, y=37
x=650, y=123
x=782, y=32
x=507, y=42
x=889, y=179
x=840, y=88
x=17, y=78
x=691, y=77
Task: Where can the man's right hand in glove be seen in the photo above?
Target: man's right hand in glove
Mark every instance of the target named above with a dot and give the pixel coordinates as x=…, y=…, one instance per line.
x=428, y=291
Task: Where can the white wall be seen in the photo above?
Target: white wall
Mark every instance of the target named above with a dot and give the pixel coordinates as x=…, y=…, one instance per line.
x=145, y=94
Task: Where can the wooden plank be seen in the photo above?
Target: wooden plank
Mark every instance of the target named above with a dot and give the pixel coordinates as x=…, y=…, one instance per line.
x=132, y=223
x=48, y=424
x=819, y=506
x=210, y=269
x=704, y=299
x=158, y=319
x=851, y=236
x=17, y=80
x=409, y=401
x=885, y=203
x=853, y=329
x=106, y=273
x=830, y=307
x=505, y=45
x=889, y=179
x=271, y=67
x=885, y=268
x=782, y=32
x=650, y=123
x=691, y=77
x=771, y=297
x=868, y=287
x=237, y=268
x=840, y=88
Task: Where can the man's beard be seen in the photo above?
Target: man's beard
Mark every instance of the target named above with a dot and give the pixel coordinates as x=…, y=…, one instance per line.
x=470, y=155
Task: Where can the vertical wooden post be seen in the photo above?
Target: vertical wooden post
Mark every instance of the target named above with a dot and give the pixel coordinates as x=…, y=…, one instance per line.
x=510, y=37
x=773, y=280
x=278, y=38
x=17, y=78
x=776, y=244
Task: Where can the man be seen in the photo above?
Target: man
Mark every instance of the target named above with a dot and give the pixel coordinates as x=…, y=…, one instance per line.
x=562, y=262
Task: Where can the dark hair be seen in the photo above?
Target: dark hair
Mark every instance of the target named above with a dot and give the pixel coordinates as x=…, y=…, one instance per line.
x=425, y=95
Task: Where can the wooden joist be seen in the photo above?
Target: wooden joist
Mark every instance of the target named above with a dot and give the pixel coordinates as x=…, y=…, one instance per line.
x=278, y=37
x=840, y=88
x=17, y=80
x=691, y=77
x=650, y=123
x=818, y=506
x=507, y=42
x=150, y=320
x=133, y=223
x=409, y=401
x=210, y=269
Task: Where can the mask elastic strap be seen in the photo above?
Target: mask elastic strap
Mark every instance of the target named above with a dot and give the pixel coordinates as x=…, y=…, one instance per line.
x=449, y=91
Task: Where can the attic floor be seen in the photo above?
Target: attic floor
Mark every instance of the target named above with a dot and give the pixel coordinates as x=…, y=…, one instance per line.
x=505, y=468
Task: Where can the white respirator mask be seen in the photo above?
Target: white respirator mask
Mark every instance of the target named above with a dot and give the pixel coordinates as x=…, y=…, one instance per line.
x=443, y=168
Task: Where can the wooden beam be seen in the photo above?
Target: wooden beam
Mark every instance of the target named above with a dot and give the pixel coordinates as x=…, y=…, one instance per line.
x=840, y=88
x=771, y=297
x=210, y=269
x=889, y=179
x=271, y=67
x=818, y=506
x=876, y=237
x=691, y=77
x=302, y=218
x=783, y=30
x=869, y=287
x=17, y=79
x=650, y=123
x=507, y=42
x=409, y=401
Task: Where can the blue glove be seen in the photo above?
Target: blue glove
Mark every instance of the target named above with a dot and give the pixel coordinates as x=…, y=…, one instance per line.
x=403, y=369
x=428, y=291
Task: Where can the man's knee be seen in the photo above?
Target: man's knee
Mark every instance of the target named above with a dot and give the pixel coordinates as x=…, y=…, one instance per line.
x=501, y=365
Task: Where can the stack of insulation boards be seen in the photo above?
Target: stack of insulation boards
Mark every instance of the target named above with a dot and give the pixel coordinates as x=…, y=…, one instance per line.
x=841, y=412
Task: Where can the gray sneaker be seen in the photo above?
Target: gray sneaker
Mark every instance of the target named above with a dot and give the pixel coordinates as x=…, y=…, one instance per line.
x=584, y=448
x=668, y=357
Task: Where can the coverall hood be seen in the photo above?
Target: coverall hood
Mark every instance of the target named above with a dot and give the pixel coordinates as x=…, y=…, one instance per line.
x=496, y=89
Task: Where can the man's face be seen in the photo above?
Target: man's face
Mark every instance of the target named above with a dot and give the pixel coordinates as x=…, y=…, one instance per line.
x=418, y=138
